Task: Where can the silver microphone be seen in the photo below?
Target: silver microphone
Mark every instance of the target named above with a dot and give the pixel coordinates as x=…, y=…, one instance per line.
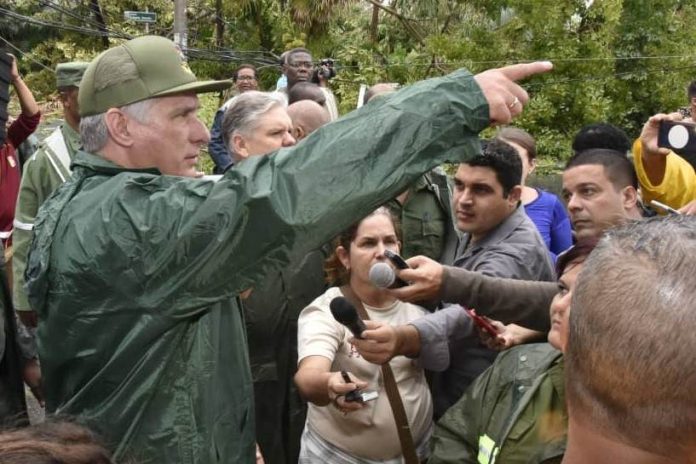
x=382, y=275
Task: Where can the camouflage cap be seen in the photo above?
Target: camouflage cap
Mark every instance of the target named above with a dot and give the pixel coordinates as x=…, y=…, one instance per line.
x=139, y=69
x=70, y=74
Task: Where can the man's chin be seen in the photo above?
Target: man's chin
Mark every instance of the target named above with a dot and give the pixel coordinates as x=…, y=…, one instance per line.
x=585, y=232
x=186, y=172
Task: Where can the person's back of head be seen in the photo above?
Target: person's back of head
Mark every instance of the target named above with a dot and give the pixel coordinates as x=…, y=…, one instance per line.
x=307, y=116
x=601, y=135
x=52, y=442
x=306, y=91
x=630, y=377
x=381, y=88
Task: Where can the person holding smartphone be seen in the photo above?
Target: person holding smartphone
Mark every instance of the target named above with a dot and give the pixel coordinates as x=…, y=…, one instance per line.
x=663, y=174
x=330, y=369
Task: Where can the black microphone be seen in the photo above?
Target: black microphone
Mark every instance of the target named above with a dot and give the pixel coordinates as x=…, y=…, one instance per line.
x=344, y=312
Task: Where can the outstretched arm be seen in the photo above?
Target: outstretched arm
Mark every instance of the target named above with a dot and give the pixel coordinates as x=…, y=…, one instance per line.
x=26, y=98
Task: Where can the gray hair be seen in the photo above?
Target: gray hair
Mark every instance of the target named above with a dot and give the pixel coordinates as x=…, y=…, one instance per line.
x=245, y=111
x=629, y=366
x=93, y=131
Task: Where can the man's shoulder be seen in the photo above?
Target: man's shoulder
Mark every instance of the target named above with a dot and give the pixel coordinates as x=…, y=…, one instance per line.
x=518, y=254
x=539, y=356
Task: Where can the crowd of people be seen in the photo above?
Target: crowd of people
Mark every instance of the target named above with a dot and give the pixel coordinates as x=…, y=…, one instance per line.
x=164, y=315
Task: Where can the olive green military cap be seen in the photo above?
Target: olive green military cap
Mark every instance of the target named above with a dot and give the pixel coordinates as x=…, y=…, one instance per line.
x=139, y=69
x=70, y=74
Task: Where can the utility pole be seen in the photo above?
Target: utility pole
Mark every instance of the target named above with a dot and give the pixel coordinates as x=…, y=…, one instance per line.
x=180, y=28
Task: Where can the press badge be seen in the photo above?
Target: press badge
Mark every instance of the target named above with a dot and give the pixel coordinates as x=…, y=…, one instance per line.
x=487, y=450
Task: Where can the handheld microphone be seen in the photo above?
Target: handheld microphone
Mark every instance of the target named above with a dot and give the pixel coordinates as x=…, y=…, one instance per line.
x=344, y=312
x=383, y=276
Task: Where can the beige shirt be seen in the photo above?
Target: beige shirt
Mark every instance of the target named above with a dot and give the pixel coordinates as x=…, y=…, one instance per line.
x=370, y=432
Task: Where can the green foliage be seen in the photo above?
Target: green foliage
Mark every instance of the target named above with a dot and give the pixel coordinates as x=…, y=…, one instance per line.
x=615, y=60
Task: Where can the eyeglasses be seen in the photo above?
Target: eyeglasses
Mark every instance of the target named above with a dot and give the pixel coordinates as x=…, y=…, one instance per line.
x=246, y=78
x=301, y=64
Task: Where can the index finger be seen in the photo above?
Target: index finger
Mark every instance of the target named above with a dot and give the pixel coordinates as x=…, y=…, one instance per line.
x=516, y=72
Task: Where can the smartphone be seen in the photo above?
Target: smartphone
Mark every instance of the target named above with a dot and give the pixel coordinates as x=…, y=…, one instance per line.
x=357, y=394
x=396, y=260
x=482, y=323
x=677, y=135
x=362, y=396
x=664, y=207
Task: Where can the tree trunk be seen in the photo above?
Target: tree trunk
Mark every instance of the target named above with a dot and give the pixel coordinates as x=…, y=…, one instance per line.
x=96, y=9
x=374, y=24
x=219, y=23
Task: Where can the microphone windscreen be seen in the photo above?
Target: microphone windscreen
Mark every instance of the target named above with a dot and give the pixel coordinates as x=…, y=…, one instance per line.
x=343, y=311
x=382, y=275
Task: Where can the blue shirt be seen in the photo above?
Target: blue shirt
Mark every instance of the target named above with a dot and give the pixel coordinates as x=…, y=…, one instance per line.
x=550, y=217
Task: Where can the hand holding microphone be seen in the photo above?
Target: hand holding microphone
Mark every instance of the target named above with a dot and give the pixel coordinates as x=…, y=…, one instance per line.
x=344, y=312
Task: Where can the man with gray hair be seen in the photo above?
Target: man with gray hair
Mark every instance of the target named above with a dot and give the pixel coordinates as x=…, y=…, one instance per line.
x=136, y=264
x=256, y=123
x=245, y=80
x=630, y=373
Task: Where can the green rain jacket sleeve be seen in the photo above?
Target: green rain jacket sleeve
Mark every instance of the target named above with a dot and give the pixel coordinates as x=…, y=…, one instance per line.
x=187, y=243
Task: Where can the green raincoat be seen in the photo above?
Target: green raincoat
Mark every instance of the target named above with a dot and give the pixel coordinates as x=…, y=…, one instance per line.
x=134, y=275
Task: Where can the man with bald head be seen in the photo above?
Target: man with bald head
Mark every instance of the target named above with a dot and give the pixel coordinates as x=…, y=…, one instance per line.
x=307, y=116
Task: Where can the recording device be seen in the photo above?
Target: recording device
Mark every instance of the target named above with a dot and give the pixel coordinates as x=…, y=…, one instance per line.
x=482, y=323
x=357, y=394
x=344, y=312
x=397, y=260
x=664, y=207
x=325, y=70
x=678, y=136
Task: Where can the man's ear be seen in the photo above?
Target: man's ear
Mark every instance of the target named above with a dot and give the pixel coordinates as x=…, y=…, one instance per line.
x=298, y=133
x=117, y=123
x=515, y=195
x=629, y=197
x=532, y=165
x=239, y=147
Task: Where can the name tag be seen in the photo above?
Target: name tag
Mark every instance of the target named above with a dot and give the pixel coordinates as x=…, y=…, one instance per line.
x=487, y=450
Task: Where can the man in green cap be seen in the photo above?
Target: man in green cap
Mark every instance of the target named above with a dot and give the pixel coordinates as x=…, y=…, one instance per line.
x=136, y=264
x=47, y=169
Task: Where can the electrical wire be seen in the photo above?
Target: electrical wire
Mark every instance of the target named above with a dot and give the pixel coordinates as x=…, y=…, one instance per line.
x=265, y=59
x=84, y=19
x=23, y=53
